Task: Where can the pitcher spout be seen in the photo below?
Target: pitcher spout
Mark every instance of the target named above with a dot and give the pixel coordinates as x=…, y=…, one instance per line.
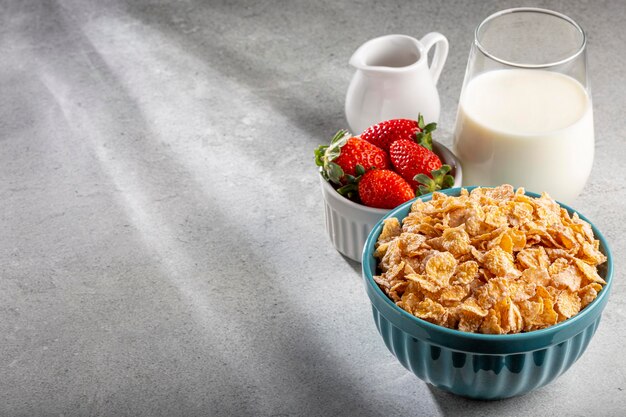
x=358, y=59
x=390, y=53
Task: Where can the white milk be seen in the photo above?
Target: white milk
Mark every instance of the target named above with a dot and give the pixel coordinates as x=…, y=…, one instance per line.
x=529, y=128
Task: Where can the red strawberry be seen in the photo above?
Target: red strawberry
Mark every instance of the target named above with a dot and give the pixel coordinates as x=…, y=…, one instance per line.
x=340, y=159
x=385, y=133
x=359, y=152
x=411, y=159
x=384, y=189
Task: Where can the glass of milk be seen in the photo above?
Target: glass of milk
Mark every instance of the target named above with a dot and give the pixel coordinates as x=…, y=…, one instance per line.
x=525, y=115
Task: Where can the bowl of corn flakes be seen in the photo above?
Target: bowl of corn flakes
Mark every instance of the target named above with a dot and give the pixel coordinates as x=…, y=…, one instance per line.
x=487, y=293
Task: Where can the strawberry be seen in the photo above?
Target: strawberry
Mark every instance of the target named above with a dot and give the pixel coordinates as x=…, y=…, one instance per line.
x=410, y=159
x=339, y=160
x=383, y=188
x=385, y=133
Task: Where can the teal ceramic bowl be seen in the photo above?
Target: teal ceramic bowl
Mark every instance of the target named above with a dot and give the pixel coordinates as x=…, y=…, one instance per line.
x=478, y=365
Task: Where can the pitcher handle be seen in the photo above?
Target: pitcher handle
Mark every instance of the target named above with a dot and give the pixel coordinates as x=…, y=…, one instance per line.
x=441, y=52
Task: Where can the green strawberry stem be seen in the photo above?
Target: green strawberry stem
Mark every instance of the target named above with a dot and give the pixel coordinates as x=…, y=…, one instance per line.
x=351, y=189
x=326, y=154
x=439, y=181
x=425, y=137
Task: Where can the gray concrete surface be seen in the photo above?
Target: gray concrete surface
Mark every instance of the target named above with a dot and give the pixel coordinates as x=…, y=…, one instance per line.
x=162, y=246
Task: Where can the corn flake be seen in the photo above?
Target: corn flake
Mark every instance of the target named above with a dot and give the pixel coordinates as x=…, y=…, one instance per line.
x=590, y=273
x=535, y=257
x=500, y=263
x=567, y=304
x=588, y=293
x=465, y=272
x=565, y=275
x=391, y=229
x=431, y=311
x=440, y=267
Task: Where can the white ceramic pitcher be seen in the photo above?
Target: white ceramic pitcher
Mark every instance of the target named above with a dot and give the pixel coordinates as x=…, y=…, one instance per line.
x=393, y=80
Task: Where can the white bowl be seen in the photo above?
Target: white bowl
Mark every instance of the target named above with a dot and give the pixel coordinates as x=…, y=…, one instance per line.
x=348, y=224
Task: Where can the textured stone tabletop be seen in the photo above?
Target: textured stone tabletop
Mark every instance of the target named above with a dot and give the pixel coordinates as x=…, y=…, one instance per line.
x=162, y=242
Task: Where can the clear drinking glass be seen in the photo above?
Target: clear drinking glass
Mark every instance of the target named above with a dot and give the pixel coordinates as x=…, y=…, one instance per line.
x=525, y=116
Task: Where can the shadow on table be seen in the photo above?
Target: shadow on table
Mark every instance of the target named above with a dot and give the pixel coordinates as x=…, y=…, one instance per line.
x=356, y=266
x=453, y=405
